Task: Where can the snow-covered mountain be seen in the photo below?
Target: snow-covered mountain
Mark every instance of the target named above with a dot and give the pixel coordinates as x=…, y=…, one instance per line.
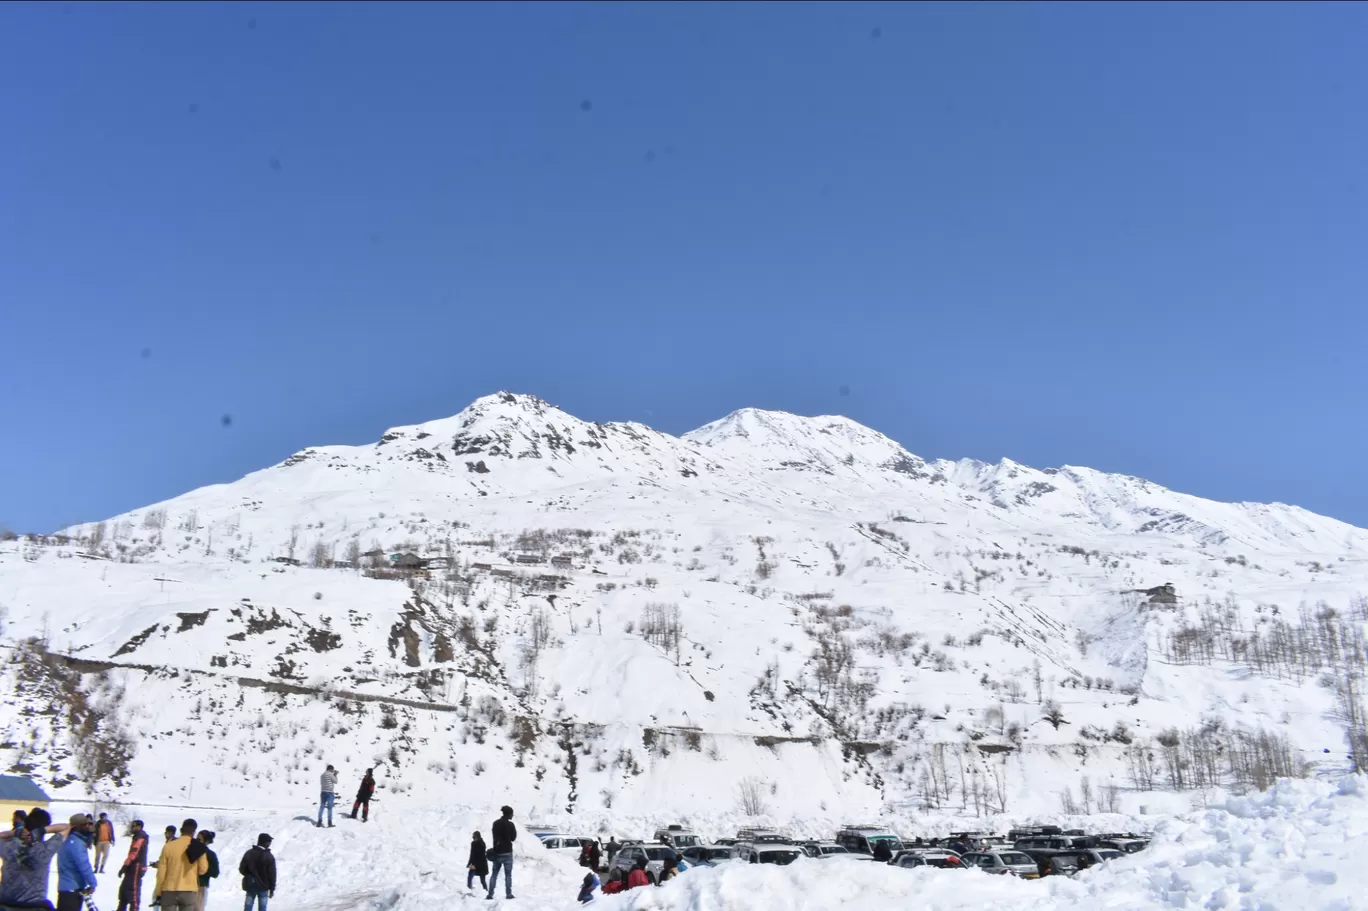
x=777, y=615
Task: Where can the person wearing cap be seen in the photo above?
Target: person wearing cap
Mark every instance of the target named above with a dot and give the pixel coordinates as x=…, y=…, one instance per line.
x=75, y=876
x=258, y=869
x=25, y=860
x=179, y=868
x=133, y=869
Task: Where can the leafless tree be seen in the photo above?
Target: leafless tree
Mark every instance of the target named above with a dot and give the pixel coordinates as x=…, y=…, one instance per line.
x=96, y=539
x=751, y=792
x=1052, y=713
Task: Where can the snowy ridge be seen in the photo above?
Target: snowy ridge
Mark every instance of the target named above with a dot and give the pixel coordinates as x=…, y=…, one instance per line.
x=602, y=616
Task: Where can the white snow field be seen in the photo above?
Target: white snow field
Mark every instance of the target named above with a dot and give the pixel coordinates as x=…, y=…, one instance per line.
x=774, y=619
x=1297, y=847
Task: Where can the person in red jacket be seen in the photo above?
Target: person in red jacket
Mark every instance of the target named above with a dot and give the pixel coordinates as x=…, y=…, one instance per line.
x=363, y=796
x=133, y=869
x=638, y=877
x=616, y=882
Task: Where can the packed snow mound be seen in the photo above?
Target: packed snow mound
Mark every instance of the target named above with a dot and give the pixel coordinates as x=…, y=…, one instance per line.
x=1294, y=847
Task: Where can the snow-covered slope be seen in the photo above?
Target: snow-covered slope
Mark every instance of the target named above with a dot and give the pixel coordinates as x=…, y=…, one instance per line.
x=792, y=614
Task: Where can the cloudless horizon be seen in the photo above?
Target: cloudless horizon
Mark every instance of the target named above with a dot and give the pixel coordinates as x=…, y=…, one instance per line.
x=1124, y=236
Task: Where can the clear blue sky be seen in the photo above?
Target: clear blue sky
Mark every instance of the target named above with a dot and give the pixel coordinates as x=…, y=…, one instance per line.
x=1124, y=236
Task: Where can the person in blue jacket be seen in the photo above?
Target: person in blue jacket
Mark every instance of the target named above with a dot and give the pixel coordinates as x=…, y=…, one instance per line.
x=75, y=877
x=586, y=892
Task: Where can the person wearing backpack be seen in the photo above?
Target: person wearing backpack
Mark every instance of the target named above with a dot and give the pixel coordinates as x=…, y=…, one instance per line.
x=258, y=869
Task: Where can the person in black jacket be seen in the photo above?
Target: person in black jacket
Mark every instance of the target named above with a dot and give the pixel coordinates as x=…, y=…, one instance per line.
x=501, y=854
x=258, y=869
x=363, y=796
x=207, y=838
x=478, y=865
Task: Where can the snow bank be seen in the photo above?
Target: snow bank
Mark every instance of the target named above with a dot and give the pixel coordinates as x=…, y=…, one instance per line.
x=1297, y=847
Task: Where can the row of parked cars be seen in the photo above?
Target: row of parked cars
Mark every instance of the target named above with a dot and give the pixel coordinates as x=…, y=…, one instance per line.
x=1028, y=853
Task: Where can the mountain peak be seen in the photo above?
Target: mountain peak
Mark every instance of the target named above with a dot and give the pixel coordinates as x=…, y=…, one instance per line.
x=825, y=443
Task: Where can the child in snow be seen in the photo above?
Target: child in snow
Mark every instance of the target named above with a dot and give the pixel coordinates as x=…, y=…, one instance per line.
x=586, y=892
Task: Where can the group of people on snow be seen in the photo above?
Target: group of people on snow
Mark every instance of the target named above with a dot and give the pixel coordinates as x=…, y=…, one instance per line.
x=328, y=795
x=499, y=855
x=184, y=868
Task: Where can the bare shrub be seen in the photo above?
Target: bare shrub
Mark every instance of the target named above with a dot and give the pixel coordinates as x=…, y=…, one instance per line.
x=751, y=792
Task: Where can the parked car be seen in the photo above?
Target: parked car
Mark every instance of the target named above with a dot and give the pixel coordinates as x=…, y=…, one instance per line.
x=821, y=849
x=778, y=853
x=1003, y=863
x=655, y=855
x=1044, y=843
x=753, y=833
x=943, y=858
x=708, y=855
x=1128, y=845
x=864, y=839
x=678, y=837
x=1094, y=856
x=569, y=844
x=1060, y=863
x=1021, y=832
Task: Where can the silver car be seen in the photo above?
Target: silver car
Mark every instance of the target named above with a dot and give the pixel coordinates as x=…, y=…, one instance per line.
x=1003, y=863
x=655, y=855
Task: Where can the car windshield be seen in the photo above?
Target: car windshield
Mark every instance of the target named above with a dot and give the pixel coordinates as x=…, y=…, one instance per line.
x=834, y=849
x=659, y=853
x=781, y=858
x=714, y=853
x=1016, y=859
x=687, y=841
x=1133, y=846
x=1110, y=855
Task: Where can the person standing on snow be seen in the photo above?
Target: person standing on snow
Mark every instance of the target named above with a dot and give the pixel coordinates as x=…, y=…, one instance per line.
x=179, y=868
x=134, y=866
x=75, y=877
x=104, y=841
x=478, y=864
x=25, y=860
x=327, y=785
x=258, y=869
x=611, y=849
x=363, y=796
x=207, y=838
x=501, y=854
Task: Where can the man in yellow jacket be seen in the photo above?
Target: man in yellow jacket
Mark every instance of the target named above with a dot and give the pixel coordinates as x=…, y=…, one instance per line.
x=183, y=861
